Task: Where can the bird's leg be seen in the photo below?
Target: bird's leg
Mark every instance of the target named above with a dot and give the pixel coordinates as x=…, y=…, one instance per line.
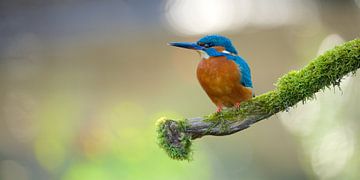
x=237, y=105
x=219, y=108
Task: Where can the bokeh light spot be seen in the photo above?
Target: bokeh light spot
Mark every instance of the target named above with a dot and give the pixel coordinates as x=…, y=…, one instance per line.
x=200, y=16
x=330, y=156
x=301, y=120
x=86, y=171
x=49, y=152
x=19, y=115
x=357, y=2
x=330, y=42
x=94, y=139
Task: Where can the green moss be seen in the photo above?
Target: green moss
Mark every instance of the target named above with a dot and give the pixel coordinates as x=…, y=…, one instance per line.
x=178, y=148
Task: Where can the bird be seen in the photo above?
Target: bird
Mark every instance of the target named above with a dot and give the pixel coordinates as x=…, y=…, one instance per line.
x=222, y=73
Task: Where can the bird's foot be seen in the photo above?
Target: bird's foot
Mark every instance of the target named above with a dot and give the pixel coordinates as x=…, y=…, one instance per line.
x=237, y=105
x=219, y=109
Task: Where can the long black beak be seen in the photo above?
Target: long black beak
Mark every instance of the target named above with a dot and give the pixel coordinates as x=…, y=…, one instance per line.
x=187, y=45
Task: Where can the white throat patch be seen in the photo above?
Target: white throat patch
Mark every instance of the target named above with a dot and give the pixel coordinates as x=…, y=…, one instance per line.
x=203, y=54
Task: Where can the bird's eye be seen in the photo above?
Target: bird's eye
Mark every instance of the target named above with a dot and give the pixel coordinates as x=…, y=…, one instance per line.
x=203, y=44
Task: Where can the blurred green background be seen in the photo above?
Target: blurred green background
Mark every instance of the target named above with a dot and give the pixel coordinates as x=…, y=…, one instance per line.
x=83, y=82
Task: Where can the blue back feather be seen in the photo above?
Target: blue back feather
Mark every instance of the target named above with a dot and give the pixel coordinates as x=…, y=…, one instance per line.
x=244, y=70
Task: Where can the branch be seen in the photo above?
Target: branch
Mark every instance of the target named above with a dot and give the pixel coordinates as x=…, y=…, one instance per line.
x=323, y=72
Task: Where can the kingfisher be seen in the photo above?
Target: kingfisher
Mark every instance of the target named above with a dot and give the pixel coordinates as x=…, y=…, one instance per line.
x=222, y=73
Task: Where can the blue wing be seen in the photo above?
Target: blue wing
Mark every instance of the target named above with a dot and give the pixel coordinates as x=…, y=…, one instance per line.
x=243, y=66
x=244, y=70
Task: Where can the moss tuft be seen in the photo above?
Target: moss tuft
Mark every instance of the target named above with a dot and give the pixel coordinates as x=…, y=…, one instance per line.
x=173, y=139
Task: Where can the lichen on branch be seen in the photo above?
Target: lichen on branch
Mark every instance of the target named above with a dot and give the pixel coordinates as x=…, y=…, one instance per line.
x=323, y=72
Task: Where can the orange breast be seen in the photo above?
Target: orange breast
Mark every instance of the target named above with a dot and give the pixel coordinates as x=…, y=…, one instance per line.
x=220, y=78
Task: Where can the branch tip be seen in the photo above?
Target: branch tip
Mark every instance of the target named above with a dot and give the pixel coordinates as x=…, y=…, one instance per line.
x=173, y=139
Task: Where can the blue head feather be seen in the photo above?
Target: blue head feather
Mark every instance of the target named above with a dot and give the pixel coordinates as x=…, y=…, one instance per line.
x=217, y=40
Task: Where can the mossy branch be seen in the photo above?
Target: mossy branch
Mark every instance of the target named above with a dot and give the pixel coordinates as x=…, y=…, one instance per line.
x=323, y=72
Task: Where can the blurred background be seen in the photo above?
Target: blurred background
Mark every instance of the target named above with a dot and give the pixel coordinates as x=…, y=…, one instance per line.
x=83, y=83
